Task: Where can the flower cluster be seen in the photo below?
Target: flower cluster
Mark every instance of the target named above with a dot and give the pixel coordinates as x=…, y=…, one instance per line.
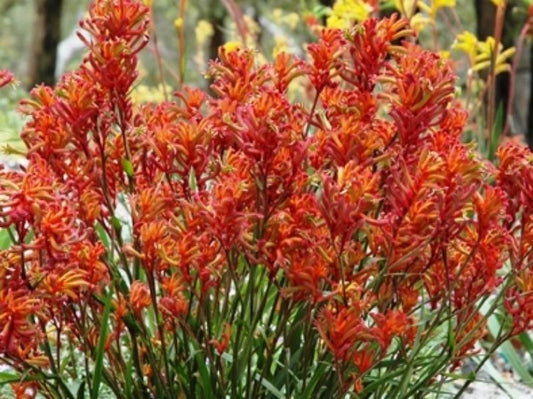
x=349, y=217
x=6, y=77
x=515, y=177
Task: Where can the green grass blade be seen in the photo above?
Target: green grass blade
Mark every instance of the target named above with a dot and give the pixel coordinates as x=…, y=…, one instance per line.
x=9, y=378
x=509, y=352
x=81, y=391
x=270, y=387
x=527, y=342
x=516, y=363
x=498, y=378
x=496, y=133
x=102, y=234
x=128, y=380
x=312, y=386
x=5, y=239
x=204, y=379
x=99, y=361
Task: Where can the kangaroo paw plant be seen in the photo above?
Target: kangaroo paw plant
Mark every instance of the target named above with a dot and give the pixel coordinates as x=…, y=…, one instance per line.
x=250, y=243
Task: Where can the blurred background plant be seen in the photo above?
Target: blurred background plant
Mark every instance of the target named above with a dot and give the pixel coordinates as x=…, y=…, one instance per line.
x=186, y=34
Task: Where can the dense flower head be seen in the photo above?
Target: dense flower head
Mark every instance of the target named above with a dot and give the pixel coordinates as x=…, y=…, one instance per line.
x=515, y=177
x=360, y=201
x=6, y=77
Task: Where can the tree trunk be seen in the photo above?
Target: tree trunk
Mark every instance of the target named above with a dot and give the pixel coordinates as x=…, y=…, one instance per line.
x=217, y=18
x=217, y=39
x=486, y=16
x=46, y=37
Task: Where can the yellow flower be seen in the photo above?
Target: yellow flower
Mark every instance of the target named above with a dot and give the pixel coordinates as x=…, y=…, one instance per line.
x=346, y=12
x=484, y=58
x=142, y=94
x=232, y=46
x=277, y=14
x=406, y=7
x=443, y=3
x=280, y=46
x=148, y=3
x=204, y=30
x=419, y=21
x=251, y=25
x=499, y=3
x=445, y=55
x=435, y=6
x=292, y=19
x=467, y=43
x=481, y=54
x=178, y=22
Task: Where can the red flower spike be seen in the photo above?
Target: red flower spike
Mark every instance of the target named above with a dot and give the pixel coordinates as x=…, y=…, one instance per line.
x=6, y=77
x=323, y=55
x=139, y=296
x=421, y=87
x=368, y=48
x=221, y=344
